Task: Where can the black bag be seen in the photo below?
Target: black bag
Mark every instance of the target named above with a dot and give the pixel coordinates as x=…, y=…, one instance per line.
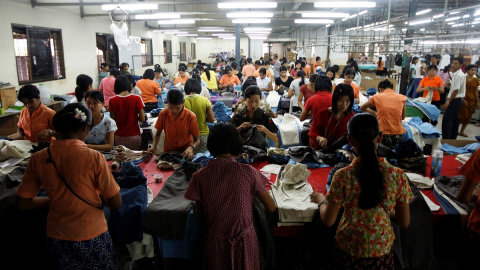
x=255, y=139
x=282, y=90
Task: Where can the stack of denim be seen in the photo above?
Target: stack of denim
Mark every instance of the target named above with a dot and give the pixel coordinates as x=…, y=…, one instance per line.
x=222, y=112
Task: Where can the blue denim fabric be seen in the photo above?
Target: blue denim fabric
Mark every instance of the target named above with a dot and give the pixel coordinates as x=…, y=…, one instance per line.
x=202, y=158
x=181, y=249
x=222, y=112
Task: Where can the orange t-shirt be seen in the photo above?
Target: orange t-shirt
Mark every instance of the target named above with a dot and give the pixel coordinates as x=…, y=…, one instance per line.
x=149, y=88
x=380, y=66
x=178, y=133
x=307, y=70
x=230, y=80
x=87, y=173
x=256, y=74
x=356, y=89
x=389, y=111
x=470, y=171
x=181, y=80
x=433, y=82
x=315, y=65
x=40, y=119
x=248, y=70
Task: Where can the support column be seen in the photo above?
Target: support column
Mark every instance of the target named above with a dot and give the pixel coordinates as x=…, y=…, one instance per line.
x=237, y=43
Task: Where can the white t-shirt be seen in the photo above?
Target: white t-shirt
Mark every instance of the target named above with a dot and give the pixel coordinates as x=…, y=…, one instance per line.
x=295, y=86
x=98, y=133
x=418, y=72
x=458, y=83
x=263, y=83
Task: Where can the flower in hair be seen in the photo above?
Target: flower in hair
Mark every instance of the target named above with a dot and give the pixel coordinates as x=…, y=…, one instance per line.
x=79, y=114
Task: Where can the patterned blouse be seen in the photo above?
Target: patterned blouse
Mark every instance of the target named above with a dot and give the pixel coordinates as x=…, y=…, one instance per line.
x=367, y=233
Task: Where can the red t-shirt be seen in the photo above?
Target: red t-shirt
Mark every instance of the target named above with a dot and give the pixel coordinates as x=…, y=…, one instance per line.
x=306, y=92
x=470, y=171
x=328, y=126
x=126, y=110
x=316, y=103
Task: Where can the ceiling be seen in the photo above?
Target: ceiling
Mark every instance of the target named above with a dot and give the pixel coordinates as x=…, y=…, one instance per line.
x=207, y=14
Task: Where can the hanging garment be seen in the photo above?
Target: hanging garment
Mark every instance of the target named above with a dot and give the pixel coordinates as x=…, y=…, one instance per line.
x=167, y=215
x=398, y=59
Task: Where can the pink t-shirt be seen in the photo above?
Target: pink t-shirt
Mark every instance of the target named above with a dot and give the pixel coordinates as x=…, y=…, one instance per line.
x=126, y=110
x=248, y=70
x=106, y=86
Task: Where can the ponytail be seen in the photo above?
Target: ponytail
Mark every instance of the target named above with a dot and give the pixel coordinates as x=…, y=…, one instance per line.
x=83, y=82
x=301, y=74
x=207, y=72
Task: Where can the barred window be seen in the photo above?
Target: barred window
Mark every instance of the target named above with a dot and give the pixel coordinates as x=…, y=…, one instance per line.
x=167, y=51
x=183, y=51
x=147, y=55
x=39, y=54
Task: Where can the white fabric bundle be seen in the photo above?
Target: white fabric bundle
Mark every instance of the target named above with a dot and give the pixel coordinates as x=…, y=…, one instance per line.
x=288, y=129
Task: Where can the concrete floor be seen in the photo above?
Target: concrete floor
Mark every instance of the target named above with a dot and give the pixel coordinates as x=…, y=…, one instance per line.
x=472, y=129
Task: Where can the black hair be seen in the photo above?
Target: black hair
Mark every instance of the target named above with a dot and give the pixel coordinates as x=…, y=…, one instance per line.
x=283, y=68
x=317, y=58
x=123, y=65
x=131, y=79
x=224, y=139
x=301, y=74
x=227, y=69
x=267, y=63
x=197, y=77
x=436, y=56
x=313, y=78
x=195, y=71
x=336, y=68
x=181, y=68
x=157, y=66
x=122, y=83
x=302, y=64
x=331, y=69
x=149, y=74
x=234, y=65
x=157, y=70
x=28, y=91
x=249, y=60
x=459, y=59
x=413, y=59
x=207, y=72
x=103, y=65
x=83, y=82
x=432, y=67
x=355, y=67
x=323, y=83
x=95, y=94
x=470, y=67
x=350, y=60
x=115, y=72
x=251, y=91
x=175, y=96
x=71, y=119
x=447, y=68
x=350, y=71
x=263, y=71
x=341, y=90
x=246, y=84
x=192, y=85
x=363, y=128
x=385, y=84
x=252, y=77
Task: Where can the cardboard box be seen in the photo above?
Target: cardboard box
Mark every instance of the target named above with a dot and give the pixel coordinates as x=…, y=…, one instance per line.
x=8, y=97
x=373, y=82
x=456, y=143
x=8, y=124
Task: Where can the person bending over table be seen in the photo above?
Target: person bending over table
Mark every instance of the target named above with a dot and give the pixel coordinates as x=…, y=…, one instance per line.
x=306, y=91
x=284, y=79
x=102, y=132
x=391, y=110
x=231, y=233
x=332, y=122
x=252, y=115
x=77, y=231
x=229, y=79
x=263, y=104
x=35, y=123
x=321, y=100
x=264, y=82
x=182, y=77
x=180, y=125
x=149, y=90
x=372, y=193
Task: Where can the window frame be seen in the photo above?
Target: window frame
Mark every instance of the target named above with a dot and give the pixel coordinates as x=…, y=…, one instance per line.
x=183, y=51
x=167, y=53
x=147, y=58
x=58, y=57
x=193, y=47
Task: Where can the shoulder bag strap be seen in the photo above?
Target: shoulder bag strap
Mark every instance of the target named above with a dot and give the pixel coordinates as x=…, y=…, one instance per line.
x=50, y=160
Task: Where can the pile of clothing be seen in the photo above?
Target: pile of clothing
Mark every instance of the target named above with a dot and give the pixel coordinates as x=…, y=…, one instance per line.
x=222, y=112
x=291, y=193
x=445, y=190
x=170, y=161
x=251, y=154
x=410, y=158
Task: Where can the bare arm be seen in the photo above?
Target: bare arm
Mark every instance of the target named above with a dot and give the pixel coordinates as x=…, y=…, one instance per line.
x=109, y=139
x=464, y=195
x=210, y=115
x=156, y=139
x=300, y=99
x=267, y=201
x=404, y=111
x=291, y=93
x=114, y=202
x=20, y=134
x=420, y=89
x=366, y=108
x=141, y=116
x=304, y=115
x=31, y=203
x=112, y=115
x=402, y=215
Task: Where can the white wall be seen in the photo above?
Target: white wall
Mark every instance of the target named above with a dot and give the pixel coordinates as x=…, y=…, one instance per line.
x=216, y=45
x=79, y=41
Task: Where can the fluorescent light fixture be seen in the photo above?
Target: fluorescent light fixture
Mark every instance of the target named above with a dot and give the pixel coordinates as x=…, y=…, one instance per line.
x=420, y=22
x=258, y=37
x=455, y=12
x=473, y=41
x=314, y=21
x=164, y=15
x=475, y=22
x=344, y=4
x=450, y=23
x=477, y=12
x=169, y=30
x=458, y=25
x=250, y=15
x=257, y=29
x=422, y=30
x=175, y=33
x=203, y=38
x=187, y=35
x=251, y=21
x=466, y=16
x=476, y=19
x=431, y=42
x=452, y=18
x=228, y=37
x=245, y=5
x=324, y=15
x=363, y=12
x=425, y=11
x=328, y=25
x=260, y=32
x=137, y=6
x=211, y=30
x=438, y=16
x=178, y=21
x=222, y=34
x=404, y=29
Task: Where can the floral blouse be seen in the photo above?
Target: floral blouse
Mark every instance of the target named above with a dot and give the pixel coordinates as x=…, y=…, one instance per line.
x=367, y=233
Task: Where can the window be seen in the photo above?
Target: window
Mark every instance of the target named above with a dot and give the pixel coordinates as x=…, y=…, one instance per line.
x=194, y=51
x=107, y=50
x=183, y=51
x=38, y=53
x=147, y=55
x=167, y=51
